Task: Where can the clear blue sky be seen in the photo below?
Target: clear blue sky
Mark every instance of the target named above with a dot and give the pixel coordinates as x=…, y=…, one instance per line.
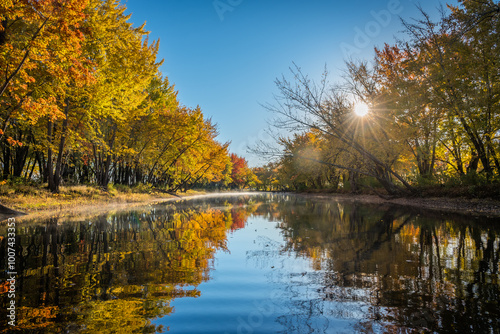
x=225, y=55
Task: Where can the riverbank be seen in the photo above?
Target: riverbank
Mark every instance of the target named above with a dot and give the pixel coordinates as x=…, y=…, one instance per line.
x=76, y=200
x=80, y=200
x=460, y=205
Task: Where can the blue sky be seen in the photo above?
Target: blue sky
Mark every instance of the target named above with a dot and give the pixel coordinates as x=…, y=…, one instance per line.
x=224, y=55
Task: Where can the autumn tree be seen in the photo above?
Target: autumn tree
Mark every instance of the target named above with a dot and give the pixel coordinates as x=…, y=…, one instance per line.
x=301, y=166
x=406, y=88
x=433, y=105
x=242, y=176
x=83, y=101
x=41, y=57
x=268, y=177
x=126, y=65
x=304, y=105
x=460, y=60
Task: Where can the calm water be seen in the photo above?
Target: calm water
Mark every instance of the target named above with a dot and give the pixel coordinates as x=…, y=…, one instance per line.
x=256, y=264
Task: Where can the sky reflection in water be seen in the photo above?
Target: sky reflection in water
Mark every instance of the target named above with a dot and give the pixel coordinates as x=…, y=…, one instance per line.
x=258, y=264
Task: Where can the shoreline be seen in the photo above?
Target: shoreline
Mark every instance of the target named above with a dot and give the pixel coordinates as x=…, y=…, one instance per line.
x=465, y=206
x=72, y=201
x=102, y=205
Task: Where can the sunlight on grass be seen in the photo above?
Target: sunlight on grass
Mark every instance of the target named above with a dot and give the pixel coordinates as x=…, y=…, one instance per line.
x=30, y=198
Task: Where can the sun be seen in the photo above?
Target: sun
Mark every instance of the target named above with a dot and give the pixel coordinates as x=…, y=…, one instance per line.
x=361, y=109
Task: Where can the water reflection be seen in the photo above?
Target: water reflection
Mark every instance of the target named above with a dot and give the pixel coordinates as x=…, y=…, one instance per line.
x=115, y=272
x=417, y=272
x=369, y=268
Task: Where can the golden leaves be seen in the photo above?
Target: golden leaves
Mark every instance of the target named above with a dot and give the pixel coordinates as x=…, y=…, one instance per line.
x=13, y=142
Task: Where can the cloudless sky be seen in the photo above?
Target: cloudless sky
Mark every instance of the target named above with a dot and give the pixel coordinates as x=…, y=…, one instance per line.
x=225, y=55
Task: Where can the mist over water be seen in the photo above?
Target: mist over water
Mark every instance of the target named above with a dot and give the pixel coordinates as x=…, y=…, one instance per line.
x=257, y=263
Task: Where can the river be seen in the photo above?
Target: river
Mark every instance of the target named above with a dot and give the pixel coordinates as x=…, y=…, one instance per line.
x=255, y=263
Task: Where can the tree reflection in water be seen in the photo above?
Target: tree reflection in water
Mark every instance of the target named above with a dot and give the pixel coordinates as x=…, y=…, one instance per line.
x=390, y=269
x=415, y=272
x=113, y=273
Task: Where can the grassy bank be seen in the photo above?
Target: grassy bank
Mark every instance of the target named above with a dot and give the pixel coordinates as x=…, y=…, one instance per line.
x=33, y=198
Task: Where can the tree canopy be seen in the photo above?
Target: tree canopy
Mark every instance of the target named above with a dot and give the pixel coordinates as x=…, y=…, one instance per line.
x=83, y=101
x=432, y=103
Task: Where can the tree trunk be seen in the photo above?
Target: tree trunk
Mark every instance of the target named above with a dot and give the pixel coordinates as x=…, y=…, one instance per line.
x=103, y=169
x=41, y=165
x=21, y=155
x=6, y=160
x=57, y=174
x=49, y=167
